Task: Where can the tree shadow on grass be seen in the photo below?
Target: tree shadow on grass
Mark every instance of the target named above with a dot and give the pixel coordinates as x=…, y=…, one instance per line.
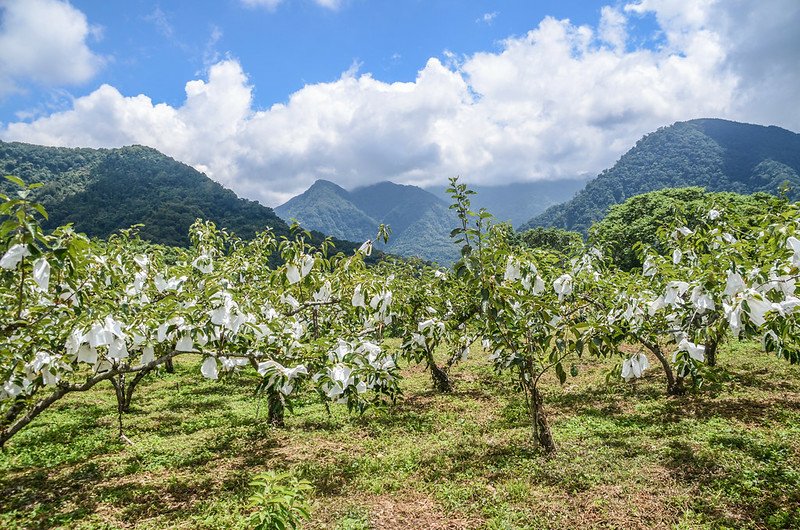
x=47, y=443
x=329, y=478
x=760, y=378
x=62, y=494
x=402, y=420
x=754, y=481
x=740, y=409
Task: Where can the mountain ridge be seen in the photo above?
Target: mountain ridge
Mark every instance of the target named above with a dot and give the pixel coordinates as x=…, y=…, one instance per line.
x=420, y=222
x=104, y=190
x=719, y=155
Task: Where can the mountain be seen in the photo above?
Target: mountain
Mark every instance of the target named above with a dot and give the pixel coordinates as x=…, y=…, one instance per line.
x=718, y=155
x=326, y=206
x=103, y=190
x=420, y=222
x=518, y=202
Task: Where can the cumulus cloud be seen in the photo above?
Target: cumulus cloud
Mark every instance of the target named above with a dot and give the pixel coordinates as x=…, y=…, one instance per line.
x=561, y=101
x=612, y=27
x=44, y=41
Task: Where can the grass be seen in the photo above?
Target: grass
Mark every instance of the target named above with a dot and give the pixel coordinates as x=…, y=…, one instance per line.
x=726, y=457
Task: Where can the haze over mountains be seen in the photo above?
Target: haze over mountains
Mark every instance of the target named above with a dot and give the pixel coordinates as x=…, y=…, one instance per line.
x=518, y=202
x=420, y=219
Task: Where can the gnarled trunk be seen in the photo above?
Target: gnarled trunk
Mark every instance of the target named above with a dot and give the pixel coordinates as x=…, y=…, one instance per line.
x=674, y=385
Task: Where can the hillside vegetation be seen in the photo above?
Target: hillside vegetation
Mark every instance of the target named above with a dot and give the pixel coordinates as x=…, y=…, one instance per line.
x=637, y=220
x=718, y=155
x=102, y=191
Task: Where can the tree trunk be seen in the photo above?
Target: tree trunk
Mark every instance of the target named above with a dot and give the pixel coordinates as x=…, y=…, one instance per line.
x=170, y=368
x=126, y=400
x=441, y=381
x=118, y=383
x=276, y=409
x=711, y=351
x=674, y=386
x=541, y=429
x=533, y=399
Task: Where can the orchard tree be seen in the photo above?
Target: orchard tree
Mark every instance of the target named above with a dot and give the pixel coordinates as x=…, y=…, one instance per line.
x=525, y=306
x=77, y=313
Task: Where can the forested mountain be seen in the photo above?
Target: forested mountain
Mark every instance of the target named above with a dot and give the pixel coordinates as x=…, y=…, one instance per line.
x=518, y=202
x=327, y=206
x=104, y=190
x=718, y=155
x=420, y=222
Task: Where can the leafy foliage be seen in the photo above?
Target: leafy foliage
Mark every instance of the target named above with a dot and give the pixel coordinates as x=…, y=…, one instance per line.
x=558, y=240
x=280, y=500
x=637, y=220
x=320, y=319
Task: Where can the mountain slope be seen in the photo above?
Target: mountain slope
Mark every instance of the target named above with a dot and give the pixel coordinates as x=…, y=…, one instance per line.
x=104, y=190
x=718, y=155
x=420, y=222
x=326, y=206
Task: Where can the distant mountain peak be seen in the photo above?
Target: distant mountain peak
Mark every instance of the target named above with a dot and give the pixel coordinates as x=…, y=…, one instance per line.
x=326, y=186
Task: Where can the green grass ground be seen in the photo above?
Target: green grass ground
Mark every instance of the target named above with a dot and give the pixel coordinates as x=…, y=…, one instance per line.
x=728, y=457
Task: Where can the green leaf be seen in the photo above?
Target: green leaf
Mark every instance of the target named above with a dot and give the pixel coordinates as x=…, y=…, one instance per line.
x=39, y=208
x=16, y=180
x=562, y=375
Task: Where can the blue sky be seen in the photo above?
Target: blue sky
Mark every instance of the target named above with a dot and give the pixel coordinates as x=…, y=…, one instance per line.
x=153, y=48
x=267, y=95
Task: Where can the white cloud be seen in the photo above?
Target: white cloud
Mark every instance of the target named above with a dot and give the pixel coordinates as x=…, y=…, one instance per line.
x=330, y=4
x=612, y=27
x=487, y=18
x=44, y=41
x=559, y=102
x=271, y=5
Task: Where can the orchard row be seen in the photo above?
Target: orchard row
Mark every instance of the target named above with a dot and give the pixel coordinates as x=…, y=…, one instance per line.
x=76, y=313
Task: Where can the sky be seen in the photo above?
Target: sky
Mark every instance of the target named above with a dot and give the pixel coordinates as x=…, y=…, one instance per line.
x=266, y=96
